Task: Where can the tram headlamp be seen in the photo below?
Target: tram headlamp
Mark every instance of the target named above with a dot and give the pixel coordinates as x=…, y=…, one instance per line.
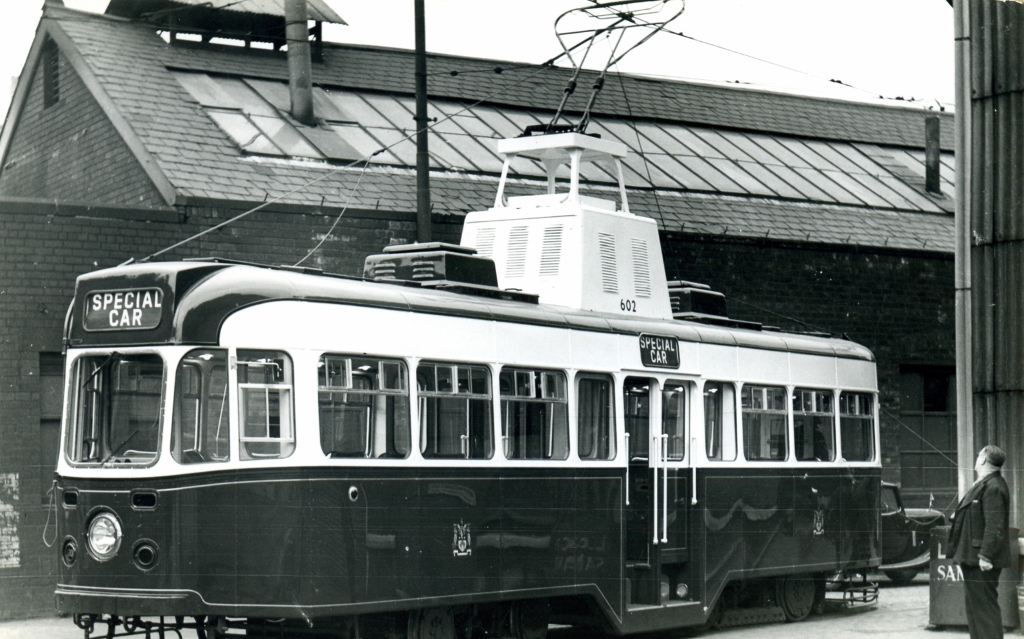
x=104, y=536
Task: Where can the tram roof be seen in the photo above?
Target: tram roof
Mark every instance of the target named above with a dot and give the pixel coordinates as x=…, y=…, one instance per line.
x=208, y=292
x=723, y=161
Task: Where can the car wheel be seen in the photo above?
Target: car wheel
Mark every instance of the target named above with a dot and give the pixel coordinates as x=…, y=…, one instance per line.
x=901, y=577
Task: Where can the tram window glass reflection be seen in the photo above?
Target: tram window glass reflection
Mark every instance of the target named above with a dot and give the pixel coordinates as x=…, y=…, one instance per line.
x=199, y=429
x=534, y=415
x=673, y=419
x=814, y=419
x=117, y=402
x=363, y=407
x=764, y=423
x=857, y=426
x=636, y=396
x=595, y=417
x=455, y=411
x=265, y=423
x=719, y=421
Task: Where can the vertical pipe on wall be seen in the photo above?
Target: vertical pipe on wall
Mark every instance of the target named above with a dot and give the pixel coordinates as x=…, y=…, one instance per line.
x=962, y=268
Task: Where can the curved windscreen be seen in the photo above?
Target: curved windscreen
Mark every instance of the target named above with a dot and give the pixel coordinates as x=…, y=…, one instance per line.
x=116, y=408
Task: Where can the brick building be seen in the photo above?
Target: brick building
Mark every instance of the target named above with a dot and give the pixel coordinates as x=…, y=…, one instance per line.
x=126, y=136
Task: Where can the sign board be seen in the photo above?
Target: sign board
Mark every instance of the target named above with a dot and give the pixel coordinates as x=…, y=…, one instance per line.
x=124, y=310
x=658, y=351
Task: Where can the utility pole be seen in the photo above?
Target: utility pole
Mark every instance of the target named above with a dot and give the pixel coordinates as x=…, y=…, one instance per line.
x=423, y=233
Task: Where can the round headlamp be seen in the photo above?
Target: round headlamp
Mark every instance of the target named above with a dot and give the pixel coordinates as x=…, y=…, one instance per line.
x=104, y=536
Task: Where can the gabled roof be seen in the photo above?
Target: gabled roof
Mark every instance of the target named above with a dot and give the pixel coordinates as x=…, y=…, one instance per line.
x=316, y=9
x=192, y=159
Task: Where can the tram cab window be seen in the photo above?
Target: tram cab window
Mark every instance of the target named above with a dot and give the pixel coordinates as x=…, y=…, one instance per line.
x=764, y=423
x=534, y=415
x=199, y=429
x=363, y=407
x=455, y=411
x=595, y=417
x=117, y=401
x=814, y=425
x=719, y=421
x=673, y=420
x=857, y=426
x=265, y=422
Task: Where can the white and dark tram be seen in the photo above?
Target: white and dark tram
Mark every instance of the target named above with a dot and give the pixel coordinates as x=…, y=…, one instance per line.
x=530, y=429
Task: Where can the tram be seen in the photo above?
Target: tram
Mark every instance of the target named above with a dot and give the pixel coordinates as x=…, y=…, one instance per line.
x=532, y=428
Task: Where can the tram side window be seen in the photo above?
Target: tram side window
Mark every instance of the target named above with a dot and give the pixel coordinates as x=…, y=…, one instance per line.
x=199, y=430
x=364, y=407
x=857, y=426
x=595, y=417
x=764, y=423
x=814, y=419
x=265, y=422
x=636, y=395
x=455, y=411
x=673, y=419
x=534, y=415
x=117, y=402
x=719, y=421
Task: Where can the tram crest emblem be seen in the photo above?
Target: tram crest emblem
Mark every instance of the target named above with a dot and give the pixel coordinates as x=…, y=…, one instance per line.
x=819, y=521
x=461, y=540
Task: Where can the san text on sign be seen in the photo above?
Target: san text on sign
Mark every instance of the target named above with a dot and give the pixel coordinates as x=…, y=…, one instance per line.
x=128, y=309
x=659, y=351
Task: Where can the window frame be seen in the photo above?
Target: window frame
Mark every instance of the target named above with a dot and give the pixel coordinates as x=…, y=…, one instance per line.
x=786, y=414
x=421, y=396
x=402, y=391
x=525, y=379
x=736, y=425
x=240, y=399
x=872, y=417
x=612, y=425
x=833, y=421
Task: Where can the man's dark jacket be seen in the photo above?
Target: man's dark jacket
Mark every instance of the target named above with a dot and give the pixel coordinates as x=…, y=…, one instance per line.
x=980, y=524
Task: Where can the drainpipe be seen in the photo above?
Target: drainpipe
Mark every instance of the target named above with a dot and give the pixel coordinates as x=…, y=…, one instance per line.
x=300, y=68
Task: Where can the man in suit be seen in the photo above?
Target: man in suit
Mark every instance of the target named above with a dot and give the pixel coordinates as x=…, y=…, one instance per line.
x=978, y=542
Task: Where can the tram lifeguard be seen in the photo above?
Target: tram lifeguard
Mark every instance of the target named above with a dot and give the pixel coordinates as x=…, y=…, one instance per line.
x=571, y=249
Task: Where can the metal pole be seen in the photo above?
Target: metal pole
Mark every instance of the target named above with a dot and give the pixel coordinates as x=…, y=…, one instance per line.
x=423, y=233
x=962, y=268
x=300, y=71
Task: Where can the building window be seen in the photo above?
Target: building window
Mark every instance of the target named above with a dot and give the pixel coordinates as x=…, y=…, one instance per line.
x=51, y=401
x=51, y=74
x=928, y=447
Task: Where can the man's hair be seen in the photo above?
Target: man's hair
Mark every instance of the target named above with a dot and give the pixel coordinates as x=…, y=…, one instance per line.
x=994, y=455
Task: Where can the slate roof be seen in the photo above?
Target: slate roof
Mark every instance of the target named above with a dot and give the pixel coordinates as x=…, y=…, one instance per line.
x=192, y=160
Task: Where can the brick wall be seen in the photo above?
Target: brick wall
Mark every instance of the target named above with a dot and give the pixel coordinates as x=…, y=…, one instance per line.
x=898, y=305
x=71, y=152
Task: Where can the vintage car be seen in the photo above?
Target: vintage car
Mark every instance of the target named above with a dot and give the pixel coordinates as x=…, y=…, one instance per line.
x=906, y=535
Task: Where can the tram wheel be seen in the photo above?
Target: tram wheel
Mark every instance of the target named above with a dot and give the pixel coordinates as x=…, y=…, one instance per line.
x=901, y=577
x=796, y=595
x=529, y=619
x=432, y=623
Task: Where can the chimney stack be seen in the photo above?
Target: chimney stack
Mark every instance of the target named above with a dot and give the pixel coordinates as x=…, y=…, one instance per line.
x=931, y=155
x=300, y=68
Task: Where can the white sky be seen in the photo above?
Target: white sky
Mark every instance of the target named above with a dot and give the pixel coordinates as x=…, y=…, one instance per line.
x=882, y=47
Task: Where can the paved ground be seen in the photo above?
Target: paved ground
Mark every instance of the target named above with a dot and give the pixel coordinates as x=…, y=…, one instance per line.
x=901, y=612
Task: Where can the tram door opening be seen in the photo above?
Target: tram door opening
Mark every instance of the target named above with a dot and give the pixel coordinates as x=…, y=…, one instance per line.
x=656, y=519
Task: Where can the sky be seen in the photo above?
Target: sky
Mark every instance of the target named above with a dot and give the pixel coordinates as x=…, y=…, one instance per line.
x=897, y=49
